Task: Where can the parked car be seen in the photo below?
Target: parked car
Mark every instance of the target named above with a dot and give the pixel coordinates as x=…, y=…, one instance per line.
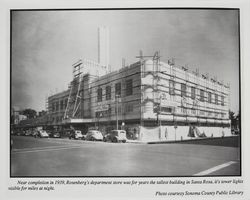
x=116, y=136
x=235, y=131
x=27, y=133
x=17, y=132
x=94, y=135
x=21, y=133
x=42, y=134
x=55, y=134
x=34, y=133
x=75, y=134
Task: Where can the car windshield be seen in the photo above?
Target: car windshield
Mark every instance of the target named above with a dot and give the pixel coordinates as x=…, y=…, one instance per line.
x=121, y=133
x=114, y=133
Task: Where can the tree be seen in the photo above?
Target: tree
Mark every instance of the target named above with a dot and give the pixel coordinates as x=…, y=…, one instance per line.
x=234, y=119
x=231, y=115
x=30, y=113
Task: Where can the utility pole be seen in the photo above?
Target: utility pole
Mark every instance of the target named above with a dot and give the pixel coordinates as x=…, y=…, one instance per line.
x=159, y=117
x=117, y=96
x=160, y=112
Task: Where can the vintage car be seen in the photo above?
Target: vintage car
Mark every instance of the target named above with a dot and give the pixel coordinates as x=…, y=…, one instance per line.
x=116, y=136
x=94, y=135
x=76, y=134
x=41, y=134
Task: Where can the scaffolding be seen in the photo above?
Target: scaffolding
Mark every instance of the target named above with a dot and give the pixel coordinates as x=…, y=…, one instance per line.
x=155, y=72
x=46, y=103
x=75, y=95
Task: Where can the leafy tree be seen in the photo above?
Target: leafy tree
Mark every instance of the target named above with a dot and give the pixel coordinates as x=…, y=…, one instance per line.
x=234, y=119
x=231, y=115
x=30, y=113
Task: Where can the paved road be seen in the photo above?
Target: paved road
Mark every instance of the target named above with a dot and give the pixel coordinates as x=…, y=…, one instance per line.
x=63, y=157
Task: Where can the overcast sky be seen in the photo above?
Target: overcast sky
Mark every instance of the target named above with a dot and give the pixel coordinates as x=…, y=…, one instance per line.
x=45, y=44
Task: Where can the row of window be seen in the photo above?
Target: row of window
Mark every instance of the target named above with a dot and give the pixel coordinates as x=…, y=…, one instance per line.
x=189, y=111
x=59, y=105
x=56, y=119
x=158, y=109
x=202, y=113
x=128, y=91
x=193, y=93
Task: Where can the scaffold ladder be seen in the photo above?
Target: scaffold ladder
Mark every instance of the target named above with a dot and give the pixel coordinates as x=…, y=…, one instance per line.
x=78, y=97
x=67, y=107
x=74, y=99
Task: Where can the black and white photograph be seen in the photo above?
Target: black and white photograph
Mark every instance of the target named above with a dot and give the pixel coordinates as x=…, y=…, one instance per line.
x=125, y=92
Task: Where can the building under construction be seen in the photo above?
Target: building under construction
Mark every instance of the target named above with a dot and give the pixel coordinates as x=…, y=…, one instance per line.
x=150, y=99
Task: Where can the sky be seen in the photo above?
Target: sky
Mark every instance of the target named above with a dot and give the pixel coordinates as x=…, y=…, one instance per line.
x=45, y=44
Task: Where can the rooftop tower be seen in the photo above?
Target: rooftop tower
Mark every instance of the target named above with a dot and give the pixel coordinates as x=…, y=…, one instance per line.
x=103, y=47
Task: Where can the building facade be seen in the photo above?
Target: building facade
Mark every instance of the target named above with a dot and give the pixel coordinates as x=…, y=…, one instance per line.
x=150, y=99
x=56, y=107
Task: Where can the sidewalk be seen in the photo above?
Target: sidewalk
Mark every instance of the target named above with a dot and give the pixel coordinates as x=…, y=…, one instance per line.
x=231, y=141
x=136, y=142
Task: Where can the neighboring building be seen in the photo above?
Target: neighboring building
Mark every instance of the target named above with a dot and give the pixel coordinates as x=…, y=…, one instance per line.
x=56, y=109
x=150, y=99
x=16, y=117
x=34, y=122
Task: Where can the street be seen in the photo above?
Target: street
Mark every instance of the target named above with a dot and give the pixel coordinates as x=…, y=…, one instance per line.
x=63, y=157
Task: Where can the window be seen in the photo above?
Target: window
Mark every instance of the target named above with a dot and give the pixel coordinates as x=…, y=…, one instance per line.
x=222, y=100
x=166, y=109
x=201, y=95
x=108, y=92
x=184, y=110
x=65, y=103
x=118, y=89
x=61, y=104
x=209, y=97
x=129, y=107
x=53, y=107
x=183, y=90
x=202, y=112
x=129, y=87
x=57, y=105
x=193, y=111
x=171, y=87
x=99, y=94
x=192, y=92
x=216, y=98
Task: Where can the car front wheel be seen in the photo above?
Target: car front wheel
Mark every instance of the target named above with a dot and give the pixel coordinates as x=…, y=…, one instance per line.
x=115, y=140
